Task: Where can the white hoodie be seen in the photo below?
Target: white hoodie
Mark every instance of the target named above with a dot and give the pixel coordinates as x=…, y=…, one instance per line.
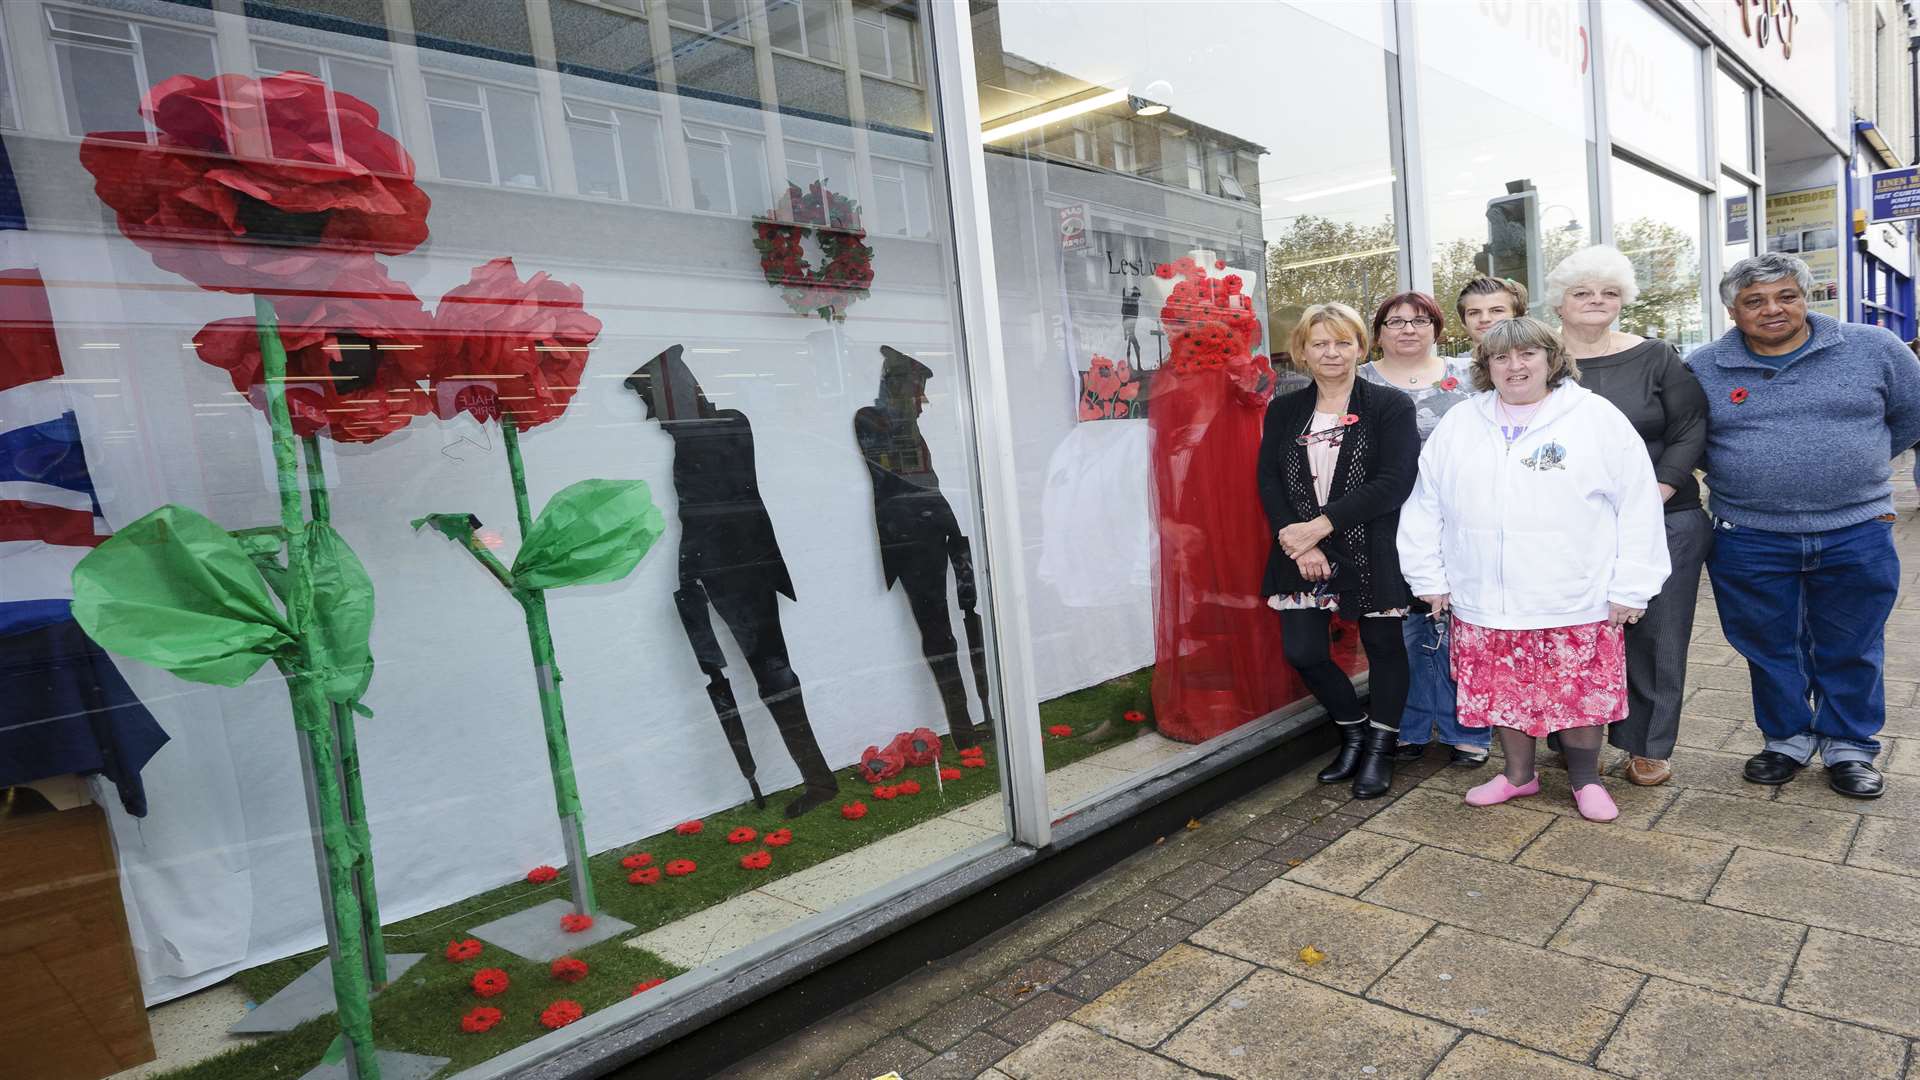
x=1540, y=534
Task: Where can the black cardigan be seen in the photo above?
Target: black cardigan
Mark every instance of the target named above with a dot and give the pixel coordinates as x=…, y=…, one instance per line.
x=1372, y=477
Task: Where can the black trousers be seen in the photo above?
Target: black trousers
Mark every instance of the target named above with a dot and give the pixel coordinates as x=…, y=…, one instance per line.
x=925, y=583
x=1304, y=641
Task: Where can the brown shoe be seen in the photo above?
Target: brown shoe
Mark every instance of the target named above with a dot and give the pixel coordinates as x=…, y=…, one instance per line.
x=1648, y=772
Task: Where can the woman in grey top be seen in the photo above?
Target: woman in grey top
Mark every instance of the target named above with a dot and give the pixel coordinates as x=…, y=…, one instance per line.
x=1407, y=327
x=1645, y=379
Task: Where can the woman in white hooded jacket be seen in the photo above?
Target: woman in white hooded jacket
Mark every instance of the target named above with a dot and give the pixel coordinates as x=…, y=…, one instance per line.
x=1536, y=521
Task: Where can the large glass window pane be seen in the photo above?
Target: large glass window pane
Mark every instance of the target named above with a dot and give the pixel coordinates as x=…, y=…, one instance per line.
x=101, y=88
x=460, y=143
x=640, y=151
x=1656, y=224
x=176, y=52
x=823, y=28
x=1736, y=220
x=595, y=161
x=516, y=138
x=1506, y=173
x=371, y=83
x=1653, y=85
x=1734, y=118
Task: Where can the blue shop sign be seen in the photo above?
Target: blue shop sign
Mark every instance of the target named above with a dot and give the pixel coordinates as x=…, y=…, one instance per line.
x=1896, y=194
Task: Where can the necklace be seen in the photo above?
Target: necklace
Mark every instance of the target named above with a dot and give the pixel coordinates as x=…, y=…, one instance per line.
x=1518, y=418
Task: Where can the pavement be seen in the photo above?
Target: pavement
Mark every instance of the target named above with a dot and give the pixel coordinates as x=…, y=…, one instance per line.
x=1717, y=929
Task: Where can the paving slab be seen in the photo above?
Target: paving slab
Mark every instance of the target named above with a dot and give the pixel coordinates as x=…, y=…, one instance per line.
x=891, y=1054
x=1357, y=941
x=1714, y=770
x=1651, y=861
x=1479, y=1058
x=1032, y=1016
x=844, y=877
x=1706, y=732
x=955, y=1020
x=1549, y=1001
x=964, y=1059
x=1067, y=1051
x=1858, y=980
x=1100, y=975
x=1492, y=897
x=1440, y=819
x=1903, y=718
x=1164, y=995
x=1731, y=704
x=1729, y=677
x=1788, y=828
x=1274, y=1025
x=1687, y=942
x=310, y=996
x=1901, y=800
x=1902, y=756
x=1140, y=909
x=1351, y=863
x=1888, y=845
x=1676, y=1032
x=1820, y=894
x=716, y=931
x=1639, y=806
x=1088, y=942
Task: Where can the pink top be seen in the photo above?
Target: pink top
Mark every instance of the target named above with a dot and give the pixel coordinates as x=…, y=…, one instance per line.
x=1322, y=453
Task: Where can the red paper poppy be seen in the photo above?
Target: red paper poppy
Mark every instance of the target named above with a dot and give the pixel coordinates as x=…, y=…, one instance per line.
x=542, y=874
x=973, y=763
x=681, y=867
x=877, y=764
x=689, y=828
x=509, y=346
x=742, y=835
x=643, y=987
x=973, y=751
x=463, y=950
x=489, y=982
x=207, y=203
x=885, y=792
x=917, y=747
x=1134, y=716
x=637, y=860
x=778, y=838
x=854, y=811
x=481, y=1018
x=1450, y=383
x=756, y=860
x=1059, y=731
x=356, y=353
x=575, y=923
x=568, y=969
x=1739, y=394
x=951, y=774
x=561, y=1013
x=646, y=875
x=909, y=787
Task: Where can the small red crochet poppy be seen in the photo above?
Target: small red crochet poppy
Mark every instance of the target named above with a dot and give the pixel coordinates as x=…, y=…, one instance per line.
x=689, y=828
x=561, y=1013
x=574, y=923
x=542, y=874
x=643, y=987
x=854, y=811
x=973, y=763
x=1219, y=264
x=778, y=838
x=1739, y=395
x=885, y=792
x=742, y=835
x=950, y=774
x=1450, y=383
x=1350, y=419
x=908, y=787
x=637, y=860
x=756, y=860
x=646, y=875
x=489, y=982
x=462, y=951
x=681, y=867
x=1059, y=731
x=1134, y=716
x=482, y=1018
x=568, y=969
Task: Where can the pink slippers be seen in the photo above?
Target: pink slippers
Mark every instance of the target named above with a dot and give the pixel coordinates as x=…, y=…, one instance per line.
x=1500, y=789
x=1595, y=804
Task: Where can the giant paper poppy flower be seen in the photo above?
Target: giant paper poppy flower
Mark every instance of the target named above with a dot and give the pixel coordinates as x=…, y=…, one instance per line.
x=973, y=763
x=561, y=1013
x=481, y=1018
x=568, y=969
x=489, y=982
x=646, y=875
x=681, y=867
x=463, y=950
x=917, y=747
x=756, y=860
x=509, y=346
x=877, y=764
x=356, y=352
x=257, y=184
x=742, y=835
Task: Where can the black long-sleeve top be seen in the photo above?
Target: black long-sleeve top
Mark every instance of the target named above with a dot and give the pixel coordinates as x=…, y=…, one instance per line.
x=1665, y=404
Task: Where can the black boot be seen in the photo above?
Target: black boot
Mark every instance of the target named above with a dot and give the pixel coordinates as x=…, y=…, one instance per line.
x=1376, y=764
x=790, y=716
x=1352, y=738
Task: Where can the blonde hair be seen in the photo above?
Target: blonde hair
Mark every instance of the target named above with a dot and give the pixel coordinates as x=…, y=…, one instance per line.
x=1525, y=332
x=1345, y=321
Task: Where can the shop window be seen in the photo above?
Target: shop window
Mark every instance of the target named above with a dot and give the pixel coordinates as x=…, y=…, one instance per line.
x=105, y=64
x=726, y=17
x=1737, y=213
x=1656, y=225
x=1733, y=119
x=886, y=43
x=617, y=154
x=806, y=27
x=1654, y=96
x=371, y=83
x=485, y=133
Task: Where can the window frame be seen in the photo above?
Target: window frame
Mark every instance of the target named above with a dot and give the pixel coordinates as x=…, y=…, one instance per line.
x=485, y=108
x=741, y=30
x=136, y=48
x=805, y=52
x=876, y=17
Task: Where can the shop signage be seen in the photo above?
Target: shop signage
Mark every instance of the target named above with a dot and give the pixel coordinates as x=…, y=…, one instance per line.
x=1073, y=227
x=1769, y=21
x=1739, y=219
x=1896, y=194
x=1807, y=224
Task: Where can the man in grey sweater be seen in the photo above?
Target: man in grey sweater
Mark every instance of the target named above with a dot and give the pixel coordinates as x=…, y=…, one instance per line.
x=1804, y=416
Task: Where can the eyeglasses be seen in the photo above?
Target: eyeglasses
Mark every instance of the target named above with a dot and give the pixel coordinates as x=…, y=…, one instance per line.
x=1398, y=323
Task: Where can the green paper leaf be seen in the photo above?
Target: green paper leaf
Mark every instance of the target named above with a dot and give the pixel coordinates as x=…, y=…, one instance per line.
x=342, y=615
x=174, y=590
x=455, y=527
x=591, y=532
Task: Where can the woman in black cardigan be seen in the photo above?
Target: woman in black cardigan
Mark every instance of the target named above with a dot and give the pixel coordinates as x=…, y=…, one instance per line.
x=1336, y=461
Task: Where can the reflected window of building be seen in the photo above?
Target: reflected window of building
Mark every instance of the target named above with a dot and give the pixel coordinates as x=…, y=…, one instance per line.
x=486, y=133
x=105, y=64
x=808, y=28
x=1734, y=120
x=725, y=17
x=1657, y=226
x=1653, y=86
x=450, y=24
x=371, y=83
x=809, y=164
x=617, y=153
x=886, y=43
x=903, y=198
x=729, y=170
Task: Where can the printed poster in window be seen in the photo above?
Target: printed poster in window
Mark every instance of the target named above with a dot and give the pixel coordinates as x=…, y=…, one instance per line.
x=1110, y=328
x=1807, y=223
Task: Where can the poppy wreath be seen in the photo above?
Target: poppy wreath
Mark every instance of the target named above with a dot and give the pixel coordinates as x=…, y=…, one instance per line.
x=834, y=221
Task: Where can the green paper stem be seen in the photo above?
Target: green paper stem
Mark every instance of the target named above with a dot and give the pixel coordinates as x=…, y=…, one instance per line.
x=310, y=715
x=566, y=792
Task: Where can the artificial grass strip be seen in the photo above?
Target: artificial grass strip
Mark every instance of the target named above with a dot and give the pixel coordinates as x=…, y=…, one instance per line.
x=421, y=1013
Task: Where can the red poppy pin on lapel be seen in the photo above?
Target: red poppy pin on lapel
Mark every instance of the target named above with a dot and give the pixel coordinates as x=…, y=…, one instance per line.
x=1739, y=395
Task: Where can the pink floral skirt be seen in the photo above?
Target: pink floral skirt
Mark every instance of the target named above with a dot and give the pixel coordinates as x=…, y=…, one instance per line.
x=1540, y=681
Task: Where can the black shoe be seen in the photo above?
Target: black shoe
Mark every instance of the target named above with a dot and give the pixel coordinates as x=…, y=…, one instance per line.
x=1467, y=759
x=1856, y=780
x=1771, y=767
x=1410, y=751
x=1376, y=764
x=1344, y=763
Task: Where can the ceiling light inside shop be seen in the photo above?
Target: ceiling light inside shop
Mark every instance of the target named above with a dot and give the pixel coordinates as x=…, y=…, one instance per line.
x=1149, y=101
x=1054, y=115
x=1338, y=189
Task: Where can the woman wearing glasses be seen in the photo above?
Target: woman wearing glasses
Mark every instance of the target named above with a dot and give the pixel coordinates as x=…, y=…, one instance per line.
x=1336, y=461
x=1536, y=522
x=1407, y=327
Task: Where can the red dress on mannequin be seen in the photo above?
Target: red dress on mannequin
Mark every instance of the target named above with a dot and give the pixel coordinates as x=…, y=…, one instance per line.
x=1217, y=658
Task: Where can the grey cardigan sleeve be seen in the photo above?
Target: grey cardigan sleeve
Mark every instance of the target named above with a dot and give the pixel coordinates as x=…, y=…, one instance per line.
x=1685, y=405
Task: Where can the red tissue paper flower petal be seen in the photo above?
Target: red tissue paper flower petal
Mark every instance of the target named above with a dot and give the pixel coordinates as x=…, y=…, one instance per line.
x=489, y=982
x=574, y=923
x=1134, y=716
x=854, y=811
x=481, y=1018
x=1059, y=731
x=778, y=838
x=561, y=1013
x=568, y=969
x=463, y=950
x=756, y=860
x=877, y=764
x=637, y=860
x=508, y=346
x=950, y=774
x=646, y=875
x=681, y=867
x=542, y=874
x=742, y=835
x=917, y=747
x=643, y=987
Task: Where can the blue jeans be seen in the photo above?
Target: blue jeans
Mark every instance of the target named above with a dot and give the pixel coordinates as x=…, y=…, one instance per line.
x=1431, y=692
x=1809, y=613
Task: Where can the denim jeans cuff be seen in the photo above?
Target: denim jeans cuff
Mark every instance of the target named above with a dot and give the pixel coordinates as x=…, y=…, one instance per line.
x=1800, y=748
x=1835, y=751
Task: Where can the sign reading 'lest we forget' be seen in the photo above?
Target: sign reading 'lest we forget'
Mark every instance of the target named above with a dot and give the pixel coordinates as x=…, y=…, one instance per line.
x=1896, y=194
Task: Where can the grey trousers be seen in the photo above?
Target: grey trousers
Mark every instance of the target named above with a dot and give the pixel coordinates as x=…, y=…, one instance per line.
x=1657, y=644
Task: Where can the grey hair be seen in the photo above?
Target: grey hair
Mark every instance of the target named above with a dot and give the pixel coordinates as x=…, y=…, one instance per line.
x=1596, y=265
x=1759, y=269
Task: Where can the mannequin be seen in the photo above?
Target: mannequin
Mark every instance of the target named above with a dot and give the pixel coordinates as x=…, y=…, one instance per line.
x=920, y=536
x=729, y=558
